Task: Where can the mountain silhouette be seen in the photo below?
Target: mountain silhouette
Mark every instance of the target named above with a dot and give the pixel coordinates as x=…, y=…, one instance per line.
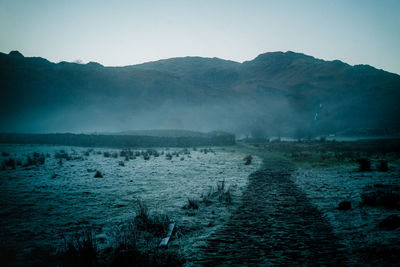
x=277, y=92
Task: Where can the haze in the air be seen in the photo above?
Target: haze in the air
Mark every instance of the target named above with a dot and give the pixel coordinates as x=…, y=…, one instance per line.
x=131, y=32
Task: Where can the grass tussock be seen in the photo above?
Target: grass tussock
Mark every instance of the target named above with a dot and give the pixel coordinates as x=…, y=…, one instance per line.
x=224, y=195
x=383, y=166
x=220, y=193
x=192, y=204
x=247, y=160
x=135, y=244
x=156, y=224
x=36, y=159
x=364, y=164
x=98, y=174
x=80, y=252
x=62, y=154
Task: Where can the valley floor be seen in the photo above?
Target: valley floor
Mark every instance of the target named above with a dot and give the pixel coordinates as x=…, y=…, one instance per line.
x=285, y=213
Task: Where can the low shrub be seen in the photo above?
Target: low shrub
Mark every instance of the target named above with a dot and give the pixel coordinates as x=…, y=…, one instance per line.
x=193, y=204
x=98, y=174
x=80, y=252
x=10, y=163
x=383, y=166
x=248, y=159
x=157, y=224
x=36, y=159
x=364, y=165
x=344, y=205
x=206, y=198
x=62, y=155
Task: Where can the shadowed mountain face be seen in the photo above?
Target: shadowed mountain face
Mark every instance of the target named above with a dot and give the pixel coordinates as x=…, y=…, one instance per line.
x=274, y=93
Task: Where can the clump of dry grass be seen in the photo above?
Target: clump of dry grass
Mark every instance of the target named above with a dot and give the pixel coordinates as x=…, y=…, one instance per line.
x=383, y=166
x=364, y=164
x=193, y=204
x=248, y=159
x=221, y=192
x=98, y=174
x=154, y=223
x=62, y=154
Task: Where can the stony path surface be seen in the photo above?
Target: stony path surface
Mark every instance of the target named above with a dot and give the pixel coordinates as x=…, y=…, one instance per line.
x=275, y=225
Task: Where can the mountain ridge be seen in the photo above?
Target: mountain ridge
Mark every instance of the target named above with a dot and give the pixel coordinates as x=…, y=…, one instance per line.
x=276, y=91
x=16, y=52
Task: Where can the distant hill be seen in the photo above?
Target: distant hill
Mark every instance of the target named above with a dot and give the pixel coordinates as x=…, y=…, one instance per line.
x=275, y=93
x=167, y=133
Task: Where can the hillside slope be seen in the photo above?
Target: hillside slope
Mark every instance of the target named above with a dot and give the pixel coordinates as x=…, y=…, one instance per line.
x=274, y=93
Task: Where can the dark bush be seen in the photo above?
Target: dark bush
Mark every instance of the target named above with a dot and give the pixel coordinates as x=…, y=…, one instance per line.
x=383, y=166
x=344, y=205
x=62, y=155
x=248, y=159
x=106, y=154
x=5, y=154
x=98, y=175
x=192, y=204
x=157, y=224
x=126, y=153
x=10, y=163
x=36, y=159
x=364, y=164
x=80, y=252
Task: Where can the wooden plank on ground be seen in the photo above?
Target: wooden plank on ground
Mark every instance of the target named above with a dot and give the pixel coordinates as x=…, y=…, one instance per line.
x=165, y=240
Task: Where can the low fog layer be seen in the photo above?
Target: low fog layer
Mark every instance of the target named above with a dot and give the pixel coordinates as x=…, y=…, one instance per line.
x=274, y=94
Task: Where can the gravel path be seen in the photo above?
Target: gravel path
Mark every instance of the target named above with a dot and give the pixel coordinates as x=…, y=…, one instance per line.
x=276, y=224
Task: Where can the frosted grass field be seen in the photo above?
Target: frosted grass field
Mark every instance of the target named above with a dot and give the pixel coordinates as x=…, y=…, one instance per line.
x=42, y=205
x=357, y=228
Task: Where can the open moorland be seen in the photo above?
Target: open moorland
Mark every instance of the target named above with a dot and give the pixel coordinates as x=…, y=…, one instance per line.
x=267, y=203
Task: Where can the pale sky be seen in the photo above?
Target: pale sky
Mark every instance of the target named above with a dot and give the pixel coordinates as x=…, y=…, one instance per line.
x=116, y=33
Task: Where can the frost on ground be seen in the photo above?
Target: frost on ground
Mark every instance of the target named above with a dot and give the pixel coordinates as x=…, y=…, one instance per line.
x=44, y=204
x=358, y=227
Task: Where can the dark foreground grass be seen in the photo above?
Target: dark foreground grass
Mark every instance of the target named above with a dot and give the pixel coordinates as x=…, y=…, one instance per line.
x=135, y=244
x=386, y=199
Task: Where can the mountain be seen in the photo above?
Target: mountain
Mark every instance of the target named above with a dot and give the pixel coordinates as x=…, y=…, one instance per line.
x=275, y=93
